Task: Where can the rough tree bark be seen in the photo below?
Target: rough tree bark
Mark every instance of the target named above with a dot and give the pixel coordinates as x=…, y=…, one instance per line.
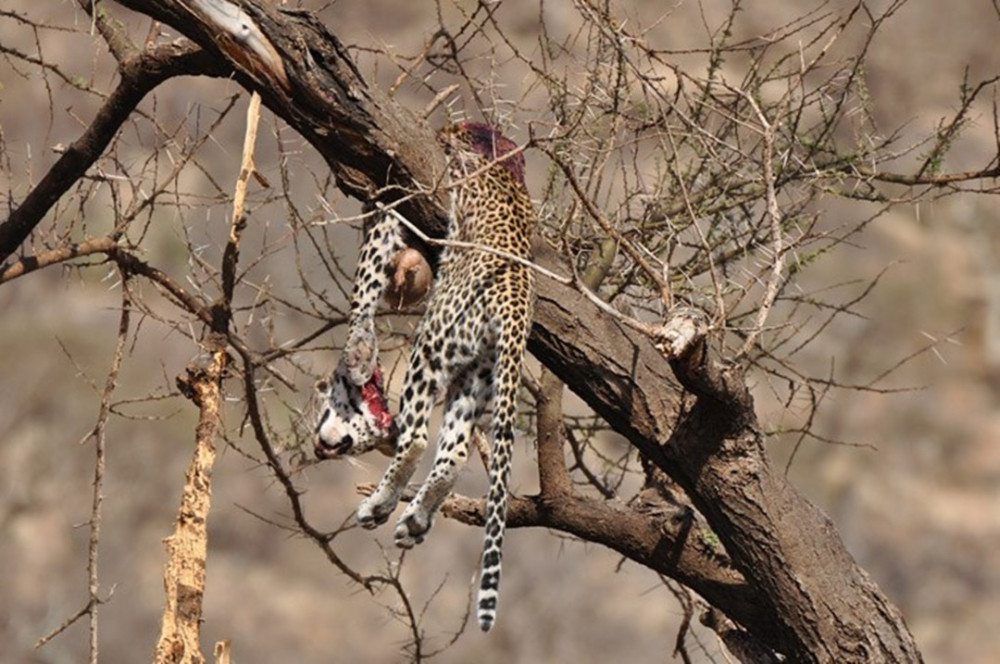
x=787, y=578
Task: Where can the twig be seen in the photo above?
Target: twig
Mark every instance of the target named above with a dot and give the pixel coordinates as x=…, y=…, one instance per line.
x=66, y=624
x=100, y=440
x=683, y=596
x=592, y=479
x=774, y=218
x=438, y=98
x=99, y=434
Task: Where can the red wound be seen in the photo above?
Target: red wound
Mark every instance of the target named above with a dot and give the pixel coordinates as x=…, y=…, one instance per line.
x=374, y=396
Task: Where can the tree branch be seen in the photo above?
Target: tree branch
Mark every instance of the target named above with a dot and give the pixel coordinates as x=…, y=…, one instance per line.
x=139, y=76
x=661, y=541
x=552, y=473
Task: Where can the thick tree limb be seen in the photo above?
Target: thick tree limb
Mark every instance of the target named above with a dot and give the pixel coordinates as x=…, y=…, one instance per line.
x=826, y=607
x=660, y=540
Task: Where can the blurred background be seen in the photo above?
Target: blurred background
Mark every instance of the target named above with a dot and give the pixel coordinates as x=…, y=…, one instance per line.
x=916, y=495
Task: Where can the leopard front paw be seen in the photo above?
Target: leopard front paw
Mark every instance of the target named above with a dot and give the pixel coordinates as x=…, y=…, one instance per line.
x=361, y=354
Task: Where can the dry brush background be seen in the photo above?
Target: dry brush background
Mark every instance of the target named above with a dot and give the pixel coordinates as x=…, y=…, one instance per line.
x=918, y=504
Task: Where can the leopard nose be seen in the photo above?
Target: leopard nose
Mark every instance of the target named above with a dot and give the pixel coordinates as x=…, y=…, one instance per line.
x=325, y=450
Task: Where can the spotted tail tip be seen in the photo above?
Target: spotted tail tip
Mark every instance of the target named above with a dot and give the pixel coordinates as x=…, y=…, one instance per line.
x=487, y=609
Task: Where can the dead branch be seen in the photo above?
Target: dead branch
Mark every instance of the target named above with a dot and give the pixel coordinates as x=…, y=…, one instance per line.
x=187, y=548
x=99, y=436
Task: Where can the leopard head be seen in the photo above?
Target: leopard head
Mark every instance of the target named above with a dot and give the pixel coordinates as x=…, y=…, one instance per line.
x=474, y=144
x=353, y=420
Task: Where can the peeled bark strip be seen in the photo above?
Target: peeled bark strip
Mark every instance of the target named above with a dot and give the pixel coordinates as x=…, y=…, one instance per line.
x=184, y=575
x=187, y=548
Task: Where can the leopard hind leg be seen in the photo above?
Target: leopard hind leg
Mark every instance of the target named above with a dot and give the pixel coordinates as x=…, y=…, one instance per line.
x=420, y=386
x=467, y=399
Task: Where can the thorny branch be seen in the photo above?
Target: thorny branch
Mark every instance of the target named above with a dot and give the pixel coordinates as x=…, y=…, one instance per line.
x=773, y=214
x=139, y=75
x=99, y=436
x=187, y=549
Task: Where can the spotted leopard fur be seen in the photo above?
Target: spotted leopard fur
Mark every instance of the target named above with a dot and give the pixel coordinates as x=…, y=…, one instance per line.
x=469, y=345
x=354, y=414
